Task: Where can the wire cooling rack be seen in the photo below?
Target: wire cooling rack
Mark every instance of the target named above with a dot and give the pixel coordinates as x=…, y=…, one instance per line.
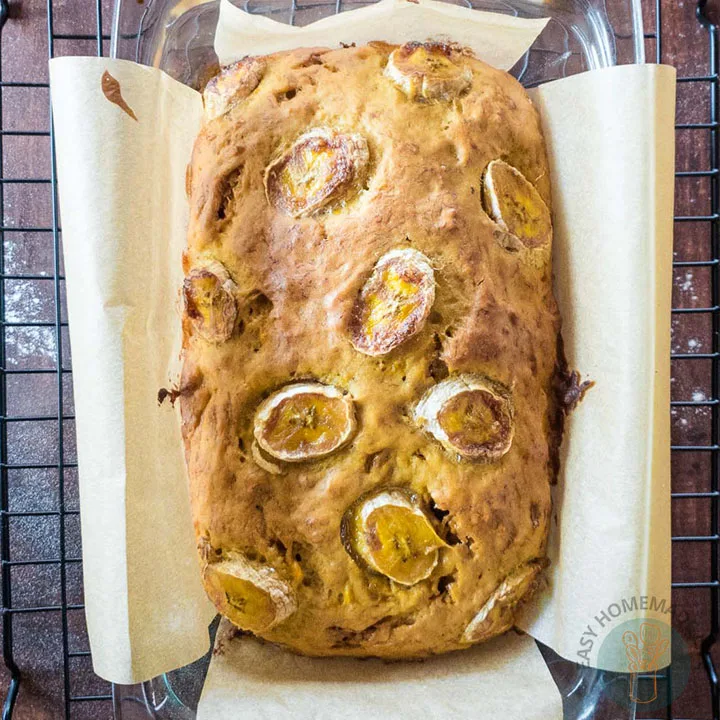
x=44, y=640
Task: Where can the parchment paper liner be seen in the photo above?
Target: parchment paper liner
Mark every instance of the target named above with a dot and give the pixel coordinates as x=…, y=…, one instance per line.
x=611, y=142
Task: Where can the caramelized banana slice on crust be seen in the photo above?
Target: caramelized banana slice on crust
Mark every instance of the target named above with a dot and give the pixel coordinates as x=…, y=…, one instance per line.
x=305, y=421
x=209, y=297
x=250, y=595
x=391, y=534
x=516, y=206
x=394, y=303
x=322, y=167
x=232, y=85
x=428, y=71
x=497, y=616
x=470, y=415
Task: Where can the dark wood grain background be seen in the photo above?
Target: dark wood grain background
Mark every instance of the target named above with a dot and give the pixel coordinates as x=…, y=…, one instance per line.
x=38, y=638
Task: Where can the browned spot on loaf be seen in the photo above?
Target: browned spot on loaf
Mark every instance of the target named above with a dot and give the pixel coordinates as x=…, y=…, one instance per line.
x=570, y=391
x=164, y=393
x=535, y=514
x=184, y=390
x=111, y=90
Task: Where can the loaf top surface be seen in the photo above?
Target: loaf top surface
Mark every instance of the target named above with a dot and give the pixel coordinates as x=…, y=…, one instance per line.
x=370, y=346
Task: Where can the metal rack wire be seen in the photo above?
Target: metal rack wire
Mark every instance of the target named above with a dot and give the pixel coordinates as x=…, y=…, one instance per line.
x=61, y=371
x=98, y=704
x=712, y=220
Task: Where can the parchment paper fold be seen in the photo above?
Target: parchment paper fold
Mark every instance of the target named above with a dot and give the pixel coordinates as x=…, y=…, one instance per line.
x=124, y=216
x=507, y=679
x=500, y=40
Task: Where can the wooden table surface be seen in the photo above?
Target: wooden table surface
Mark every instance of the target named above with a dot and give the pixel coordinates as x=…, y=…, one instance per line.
x=38, y=638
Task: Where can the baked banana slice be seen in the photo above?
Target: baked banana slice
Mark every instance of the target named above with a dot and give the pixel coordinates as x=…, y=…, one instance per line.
x=394, y=303
x=209, y=296
x=305, y=421
x=392, y=535
x=516, y=206
x=429, y=71
x=497, y=616
x=232, y=85
x=470, y=415
x=322, y=167
x=251, y=595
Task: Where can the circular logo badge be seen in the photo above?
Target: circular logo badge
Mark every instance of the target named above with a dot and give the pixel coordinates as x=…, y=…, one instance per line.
x=657, y=662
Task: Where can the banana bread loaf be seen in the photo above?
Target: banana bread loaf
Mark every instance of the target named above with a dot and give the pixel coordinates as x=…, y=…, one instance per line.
x=370, y=342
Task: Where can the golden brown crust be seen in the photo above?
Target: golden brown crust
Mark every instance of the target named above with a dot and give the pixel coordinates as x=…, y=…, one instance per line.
x=320, y=166
x=231, y=86
x=298, y=279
